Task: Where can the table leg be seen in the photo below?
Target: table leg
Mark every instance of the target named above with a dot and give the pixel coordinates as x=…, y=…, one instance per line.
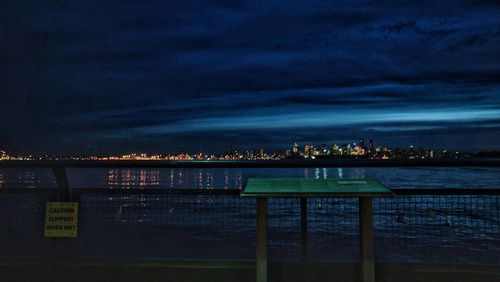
x=366, y=239
x=261, y=239
x=303, y=228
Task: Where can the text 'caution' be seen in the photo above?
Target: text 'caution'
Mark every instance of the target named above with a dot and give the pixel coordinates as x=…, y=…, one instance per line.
x=61, y=219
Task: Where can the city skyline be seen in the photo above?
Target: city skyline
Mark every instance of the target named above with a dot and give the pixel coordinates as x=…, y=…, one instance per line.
x=112, y=77
x=364, y=149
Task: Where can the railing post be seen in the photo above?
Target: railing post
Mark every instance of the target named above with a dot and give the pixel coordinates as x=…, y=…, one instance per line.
x=62, y=247
x=366, y=239
x=63, y=190
x=261, y=239
x=303, y=228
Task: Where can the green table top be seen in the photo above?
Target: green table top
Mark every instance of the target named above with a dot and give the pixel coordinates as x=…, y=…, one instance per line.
x=310, y=188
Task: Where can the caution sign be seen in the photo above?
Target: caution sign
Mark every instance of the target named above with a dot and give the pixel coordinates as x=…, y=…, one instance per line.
x=61, y=219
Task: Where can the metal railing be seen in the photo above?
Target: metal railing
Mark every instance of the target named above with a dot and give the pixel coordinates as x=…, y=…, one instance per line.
x=219, y=224
x=417, y=225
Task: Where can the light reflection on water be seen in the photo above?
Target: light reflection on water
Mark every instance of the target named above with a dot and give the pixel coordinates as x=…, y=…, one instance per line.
x=118, y=178
x=173, y=178
x=235, y=178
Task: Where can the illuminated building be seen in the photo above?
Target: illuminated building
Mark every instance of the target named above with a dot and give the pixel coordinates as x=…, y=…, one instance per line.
x=348, y=149
x=353, y=150
x=358, y=151
x=307, y=150
x=295, y=149
x=385, y=153
x=322, y=149
x=335, y=149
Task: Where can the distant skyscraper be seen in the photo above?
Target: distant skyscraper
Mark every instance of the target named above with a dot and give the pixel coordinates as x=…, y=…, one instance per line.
x=335, y=149
x=261, y=153
x=295, y=149
x=370, y=147
x=348, y=149
x=378, y=151
x=307, y=150
x=362, y=143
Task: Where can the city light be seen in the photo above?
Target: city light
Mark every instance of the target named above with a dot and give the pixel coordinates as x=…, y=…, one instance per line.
x=354, y=150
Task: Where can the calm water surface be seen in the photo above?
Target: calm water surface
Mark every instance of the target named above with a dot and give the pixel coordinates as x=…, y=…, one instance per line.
x=235, y=178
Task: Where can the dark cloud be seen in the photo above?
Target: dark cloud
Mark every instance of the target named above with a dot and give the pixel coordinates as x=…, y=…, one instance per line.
x=121, y=76
x=399, y=27
x=474, y=40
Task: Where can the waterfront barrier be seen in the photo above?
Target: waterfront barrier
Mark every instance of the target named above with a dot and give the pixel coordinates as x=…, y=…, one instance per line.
x=448, y=234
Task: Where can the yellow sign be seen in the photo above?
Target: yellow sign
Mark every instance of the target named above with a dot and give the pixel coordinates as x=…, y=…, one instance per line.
x=61, y=219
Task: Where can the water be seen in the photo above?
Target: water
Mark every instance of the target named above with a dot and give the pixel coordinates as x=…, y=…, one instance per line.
x=235, y=178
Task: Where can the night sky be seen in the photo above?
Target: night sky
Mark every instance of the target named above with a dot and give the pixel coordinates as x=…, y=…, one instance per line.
x=170, y=76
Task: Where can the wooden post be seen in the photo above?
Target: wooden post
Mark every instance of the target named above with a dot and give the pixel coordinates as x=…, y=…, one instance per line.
x=366, y=239
x=63, y=192
x=261, y=239
x=303, y=228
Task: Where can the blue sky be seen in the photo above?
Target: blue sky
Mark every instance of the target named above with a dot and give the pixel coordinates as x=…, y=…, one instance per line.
x=167, y=76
